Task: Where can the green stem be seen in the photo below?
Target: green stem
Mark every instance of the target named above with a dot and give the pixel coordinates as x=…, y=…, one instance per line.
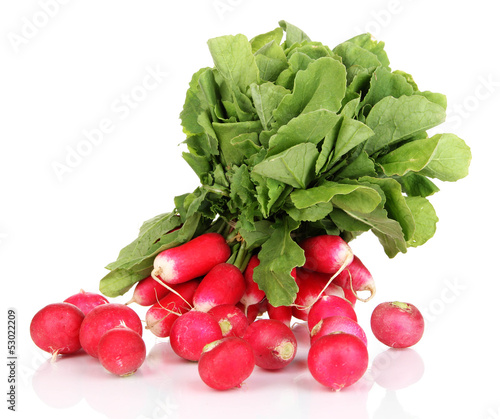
x=242, y=253
x=234, y=254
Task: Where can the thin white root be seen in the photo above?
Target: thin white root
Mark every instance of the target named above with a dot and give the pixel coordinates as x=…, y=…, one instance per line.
x=153, y=275
x=300, y=307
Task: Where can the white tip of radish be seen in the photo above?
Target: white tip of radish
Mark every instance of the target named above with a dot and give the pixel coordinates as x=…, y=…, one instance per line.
x=285, y=350
x=163, y=268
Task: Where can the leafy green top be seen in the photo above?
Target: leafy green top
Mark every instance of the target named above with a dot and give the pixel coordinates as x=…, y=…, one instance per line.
x=292, y=139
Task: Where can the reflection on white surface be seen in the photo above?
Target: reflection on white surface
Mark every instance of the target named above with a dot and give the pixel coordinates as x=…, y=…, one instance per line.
x=167, y=386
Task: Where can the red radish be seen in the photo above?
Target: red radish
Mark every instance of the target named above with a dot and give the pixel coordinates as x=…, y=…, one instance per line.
x=192, y=259
x=253, y=294
x=281, y=313
x=86, y=301
x=56, y=327
x=148, y=291
x=337, y=324
x=103, y=318
x=326, y=253
x=252, y=311
x=191, y=332
x=327, y=306
x=223, y=284
x=231, y=319
x=121, y=351
x=226, y=363
x=396, y=324
x=358, y=277
x=161, y=316
x=350, y=296
x=337, y=360
x=274, y=344
x=311, y=284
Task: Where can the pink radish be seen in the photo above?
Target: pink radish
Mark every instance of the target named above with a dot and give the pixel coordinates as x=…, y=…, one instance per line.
x=274, y=344
x=337, y=360
x=226, y=363
x=103, y=318
x=327, y=306
x=357, y=276
x=161, y=316
x=223, y=284
x=253, y=294
x=397, y=324
x=326, y=253
x=192, y=259
x=121, y=351
x=56, y=327
x=281, y=313
x=86, y=301
x=311, y=284
x=148, y=291
x=231, y=319
x=337, y=324
x=191, y=332
x=350, y=296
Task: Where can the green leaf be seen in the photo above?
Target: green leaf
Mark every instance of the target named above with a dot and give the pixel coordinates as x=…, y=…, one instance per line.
x=367, y=42
x=293, y=34
x=425, y=220
x=230, y=133
x=412, y=156
x=395, y=204
x=193, y=106
x=315, y=212
x=384, y=83
x=346, y=196
x=259, y=41
x=278, y=256
x=351, y=134
x=119, y=281
x=234, y=59
x=256, y=238
x=266, y=98
x=347, y=223
x=310, y=127
x=387, y=230
x=451, y=160
x=394, y=119
x=294, y=166
x=150, y=232
x=320, y=86
x=415, y=184
x=271, y=61
x=362, y=165
x=355, y=55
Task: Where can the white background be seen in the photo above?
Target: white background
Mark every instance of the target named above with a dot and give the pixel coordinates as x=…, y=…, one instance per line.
x=68, y=73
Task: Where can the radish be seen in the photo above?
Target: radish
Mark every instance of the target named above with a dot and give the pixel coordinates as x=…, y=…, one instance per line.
x=192, y=259
x=337, y=360
x=327, y=306
x=252, y=311
x=226, y=363
x=281, y=313
x=231, y=319
x=86, y=301
x=326, y=253
x=350, y=296
x=148, y=291
x=274, y=344
x=121, y=351
x=223, y=284
x=191, y=332
x=397, y=324
x=161, y=316
x=56, y=327
x=103, y=318
x=253, y=294
x=311, y=286
x=337, y=324
x=357, y=278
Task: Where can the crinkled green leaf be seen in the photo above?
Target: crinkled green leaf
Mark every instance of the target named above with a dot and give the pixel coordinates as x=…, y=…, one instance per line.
x=414, y=184
x=266, y=98
x=259, y=41
x=425, y=220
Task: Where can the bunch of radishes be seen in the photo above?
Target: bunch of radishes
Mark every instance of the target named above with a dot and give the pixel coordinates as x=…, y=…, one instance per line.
x=208, y=309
